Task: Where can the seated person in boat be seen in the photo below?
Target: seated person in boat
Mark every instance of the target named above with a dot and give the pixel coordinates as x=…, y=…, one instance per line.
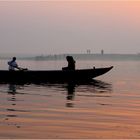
x=71, y=63
x=13, y=64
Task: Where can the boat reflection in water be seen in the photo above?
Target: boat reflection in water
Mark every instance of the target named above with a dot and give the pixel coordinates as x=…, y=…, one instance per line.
x=94, y=87
x=12, y=98
x=70, y=93
x=12, y=89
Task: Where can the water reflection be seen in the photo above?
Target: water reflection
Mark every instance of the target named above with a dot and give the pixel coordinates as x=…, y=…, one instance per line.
x=12, y=98
x=17, y=95
x=96, y=86
x=93, y=86
x=70, y=93
x=12, y=89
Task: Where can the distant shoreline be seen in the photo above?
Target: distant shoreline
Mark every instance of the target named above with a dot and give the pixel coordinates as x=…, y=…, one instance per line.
x=91, y=57
x=78, y=57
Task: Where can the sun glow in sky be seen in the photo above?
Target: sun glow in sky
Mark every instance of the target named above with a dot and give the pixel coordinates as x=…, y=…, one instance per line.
x=69, y=26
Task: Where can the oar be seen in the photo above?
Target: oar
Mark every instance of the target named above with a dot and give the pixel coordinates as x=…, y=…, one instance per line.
x=22, y=69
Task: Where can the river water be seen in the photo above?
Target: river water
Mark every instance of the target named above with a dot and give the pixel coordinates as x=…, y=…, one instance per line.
x=107, y=107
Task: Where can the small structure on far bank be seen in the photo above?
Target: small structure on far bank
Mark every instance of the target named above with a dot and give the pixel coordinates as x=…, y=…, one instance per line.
x=102, y=52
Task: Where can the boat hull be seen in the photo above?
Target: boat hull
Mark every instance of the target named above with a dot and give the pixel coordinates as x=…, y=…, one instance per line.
x=32, y=76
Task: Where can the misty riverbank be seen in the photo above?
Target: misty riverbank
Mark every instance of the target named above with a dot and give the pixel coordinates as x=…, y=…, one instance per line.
x=114, y=57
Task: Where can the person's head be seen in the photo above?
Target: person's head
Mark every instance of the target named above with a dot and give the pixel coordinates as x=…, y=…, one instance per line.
x=14, y=58
x=69, y=58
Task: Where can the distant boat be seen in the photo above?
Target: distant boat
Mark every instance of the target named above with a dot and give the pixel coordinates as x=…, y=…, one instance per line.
x=33, y=76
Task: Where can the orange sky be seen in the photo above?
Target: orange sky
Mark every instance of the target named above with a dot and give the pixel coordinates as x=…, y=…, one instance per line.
x=68, y=24
x=127, y=11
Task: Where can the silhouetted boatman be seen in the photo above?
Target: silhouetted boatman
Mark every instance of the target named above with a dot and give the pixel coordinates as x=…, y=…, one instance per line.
x=71, y=63
x=13, y=64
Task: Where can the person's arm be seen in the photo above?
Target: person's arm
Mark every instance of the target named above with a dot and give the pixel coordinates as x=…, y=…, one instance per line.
x=19, y=68
x=15, y=65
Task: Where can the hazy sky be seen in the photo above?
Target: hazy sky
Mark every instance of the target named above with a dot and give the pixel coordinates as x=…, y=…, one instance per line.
x=53, y=27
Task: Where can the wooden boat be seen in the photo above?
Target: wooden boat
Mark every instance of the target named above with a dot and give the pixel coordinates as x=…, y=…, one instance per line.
x=33, y=76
